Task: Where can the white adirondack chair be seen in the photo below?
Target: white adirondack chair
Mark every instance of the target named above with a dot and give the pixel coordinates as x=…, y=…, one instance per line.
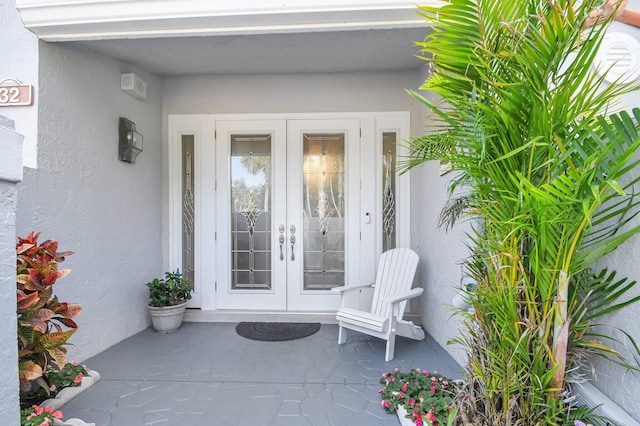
x=377, y=309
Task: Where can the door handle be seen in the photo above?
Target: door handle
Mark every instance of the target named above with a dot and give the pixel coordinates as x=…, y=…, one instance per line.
x=281, y=240
x=292, y=239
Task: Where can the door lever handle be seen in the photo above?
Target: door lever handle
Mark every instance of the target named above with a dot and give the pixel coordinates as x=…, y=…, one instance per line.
x=281, y=240
x=292, y=239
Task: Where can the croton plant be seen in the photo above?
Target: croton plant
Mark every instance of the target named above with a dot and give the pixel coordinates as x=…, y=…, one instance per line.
x=44, y=323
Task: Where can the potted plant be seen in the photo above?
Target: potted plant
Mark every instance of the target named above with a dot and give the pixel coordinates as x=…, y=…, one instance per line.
x=168, y=298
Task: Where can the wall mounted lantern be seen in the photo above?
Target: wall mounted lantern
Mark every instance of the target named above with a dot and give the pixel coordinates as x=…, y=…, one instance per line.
x=129, y=141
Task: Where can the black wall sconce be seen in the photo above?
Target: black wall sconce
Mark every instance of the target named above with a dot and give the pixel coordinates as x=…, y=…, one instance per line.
x=129, y=141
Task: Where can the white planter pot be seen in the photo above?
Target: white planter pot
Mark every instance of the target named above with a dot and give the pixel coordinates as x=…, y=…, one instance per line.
x=401, y=412
x=167, y=318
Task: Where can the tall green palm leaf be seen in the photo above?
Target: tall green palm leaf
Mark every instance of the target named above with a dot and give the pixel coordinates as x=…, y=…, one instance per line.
x=544, y=172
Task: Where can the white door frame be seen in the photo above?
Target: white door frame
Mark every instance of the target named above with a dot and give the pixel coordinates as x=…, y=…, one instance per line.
x=203, y=127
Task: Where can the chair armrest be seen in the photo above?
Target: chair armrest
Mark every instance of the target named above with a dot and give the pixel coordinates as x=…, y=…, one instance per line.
x=415, y=292
x=344, y=288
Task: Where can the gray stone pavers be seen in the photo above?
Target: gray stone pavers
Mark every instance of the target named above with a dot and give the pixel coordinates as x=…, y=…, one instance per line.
x=205, y=374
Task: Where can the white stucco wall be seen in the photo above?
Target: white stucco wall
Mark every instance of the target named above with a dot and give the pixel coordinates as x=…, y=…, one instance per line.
x=620, y=385
x=107, y=211
x=440, y=250
x=374, y=91
x=10, y=174
x=19, y=49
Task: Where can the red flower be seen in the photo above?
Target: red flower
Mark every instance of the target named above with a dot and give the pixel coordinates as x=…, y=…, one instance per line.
x=417, y=419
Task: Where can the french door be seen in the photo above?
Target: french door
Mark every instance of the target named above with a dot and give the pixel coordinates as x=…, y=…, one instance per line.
x=289, y=189
x=269, y=212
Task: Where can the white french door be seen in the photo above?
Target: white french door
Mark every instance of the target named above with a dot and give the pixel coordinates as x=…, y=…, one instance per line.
x=286, y=190
x=269, y=212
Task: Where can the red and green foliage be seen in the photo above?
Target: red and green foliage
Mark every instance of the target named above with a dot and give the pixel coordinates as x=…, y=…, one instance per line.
x=44, y=323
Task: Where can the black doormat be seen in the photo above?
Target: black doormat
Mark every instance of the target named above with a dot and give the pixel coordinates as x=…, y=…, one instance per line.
x=276, y=331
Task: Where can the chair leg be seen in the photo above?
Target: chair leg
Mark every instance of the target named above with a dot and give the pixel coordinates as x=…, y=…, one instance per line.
x=342, y=335
x=391, y=346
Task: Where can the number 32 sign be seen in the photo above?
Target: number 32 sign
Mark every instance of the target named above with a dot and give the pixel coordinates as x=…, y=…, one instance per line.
x=13, y=93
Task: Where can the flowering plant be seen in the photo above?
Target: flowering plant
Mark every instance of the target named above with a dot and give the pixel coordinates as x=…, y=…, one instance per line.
x=55, y=380
x=70, y=376
x=425, y=396
x=39, y=416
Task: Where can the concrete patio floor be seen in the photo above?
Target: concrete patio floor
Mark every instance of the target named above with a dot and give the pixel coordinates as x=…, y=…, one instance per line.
x=205, y=374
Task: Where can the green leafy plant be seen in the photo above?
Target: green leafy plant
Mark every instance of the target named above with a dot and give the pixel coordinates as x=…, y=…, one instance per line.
x=39, y=416
x=169, y=291
x=44, y=323
x=425, y=396
x=544, y=173
x=69, y=376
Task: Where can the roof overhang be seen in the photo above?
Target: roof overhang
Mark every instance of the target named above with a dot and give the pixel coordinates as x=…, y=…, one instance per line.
x=74, y=20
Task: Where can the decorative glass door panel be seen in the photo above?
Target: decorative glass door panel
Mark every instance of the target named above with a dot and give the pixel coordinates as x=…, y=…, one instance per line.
x=251, y=172
x=251, y=212
x=323, y=193
x=188, y=209
x=388, y=190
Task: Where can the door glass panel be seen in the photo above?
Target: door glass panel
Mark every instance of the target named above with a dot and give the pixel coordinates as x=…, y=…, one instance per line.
x=188, y=208
x=251, y=212
x=389, y=190
x=323, y=208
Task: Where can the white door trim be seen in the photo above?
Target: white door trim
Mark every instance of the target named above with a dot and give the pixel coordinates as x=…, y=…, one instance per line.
x=202, y=126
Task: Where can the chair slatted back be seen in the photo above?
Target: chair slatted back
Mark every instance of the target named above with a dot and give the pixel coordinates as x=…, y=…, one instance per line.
x=396, y=271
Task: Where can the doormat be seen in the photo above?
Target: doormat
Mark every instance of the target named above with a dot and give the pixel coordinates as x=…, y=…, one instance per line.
x=276, y=331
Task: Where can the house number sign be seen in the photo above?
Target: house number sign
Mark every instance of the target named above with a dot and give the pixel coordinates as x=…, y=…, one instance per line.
x=13, y=93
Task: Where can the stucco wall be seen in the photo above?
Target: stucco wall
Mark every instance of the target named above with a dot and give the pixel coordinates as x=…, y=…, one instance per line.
x=107, y=211
x=620, y=385
x=19, y=61
x=440, y=250
x=374, y=91
x=10, y=163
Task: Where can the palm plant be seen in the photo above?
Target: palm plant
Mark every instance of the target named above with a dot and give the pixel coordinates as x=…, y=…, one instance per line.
x=543, y=169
